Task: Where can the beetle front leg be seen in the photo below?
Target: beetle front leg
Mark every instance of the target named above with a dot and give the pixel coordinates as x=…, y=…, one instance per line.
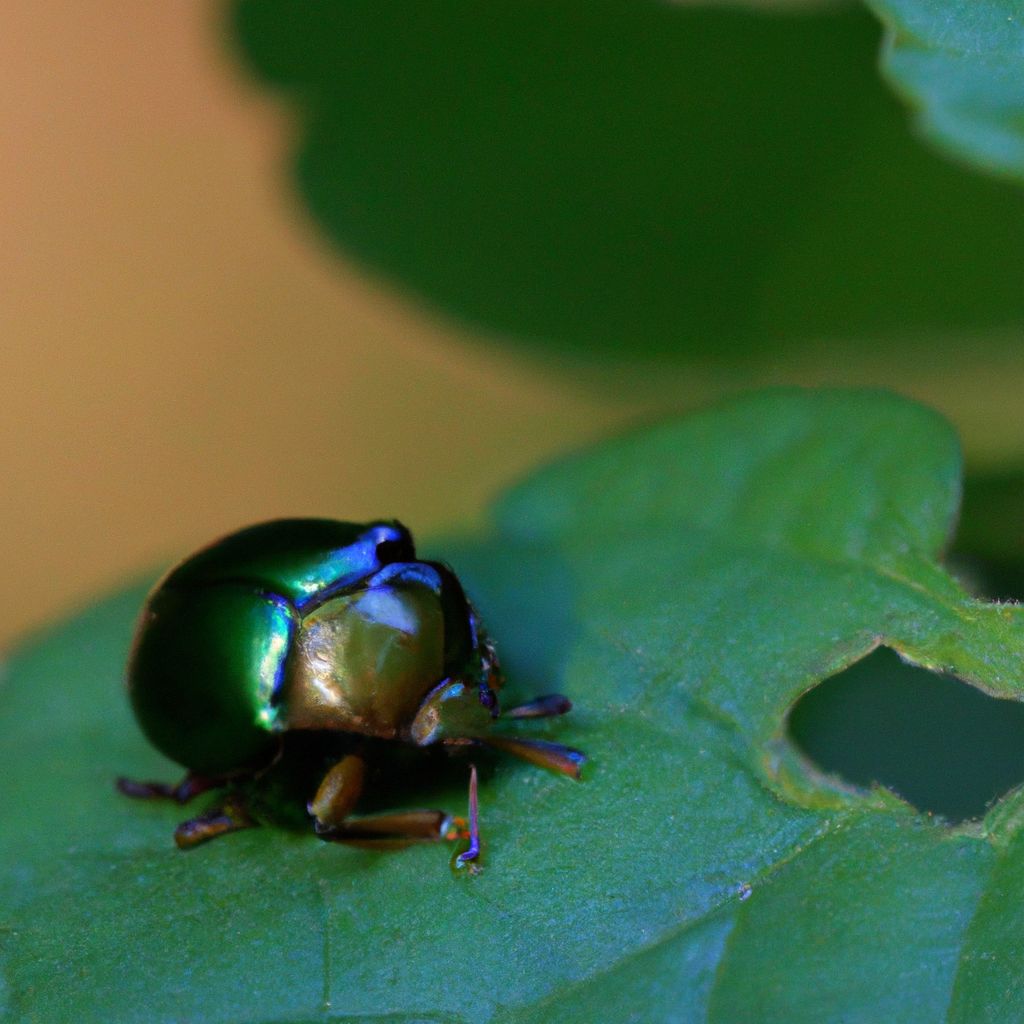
x=338, y=793
x=469, y=857
x=337, y=796
x=394, y=830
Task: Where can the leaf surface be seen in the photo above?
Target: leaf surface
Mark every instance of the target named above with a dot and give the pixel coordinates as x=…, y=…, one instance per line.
x=684, y=585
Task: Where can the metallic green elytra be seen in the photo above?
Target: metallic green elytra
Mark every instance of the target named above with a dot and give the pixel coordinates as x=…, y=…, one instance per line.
x=326, y=634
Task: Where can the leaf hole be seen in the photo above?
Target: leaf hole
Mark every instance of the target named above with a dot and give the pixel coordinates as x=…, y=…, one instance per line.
x=942, y=745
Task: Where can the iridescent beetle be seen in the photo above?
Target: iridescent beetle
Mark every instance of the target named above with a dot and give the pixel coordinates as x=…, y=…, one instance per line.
x=314, y=631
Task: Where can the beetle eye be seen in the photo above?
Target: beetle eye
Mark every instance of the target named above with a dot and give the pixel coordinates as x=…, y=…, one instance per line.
x=392, y=543
x=388, y=551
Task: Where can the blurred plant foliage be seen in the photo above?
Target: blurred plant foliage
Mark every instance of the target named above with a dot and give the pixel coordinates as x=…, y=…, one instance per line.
x=962, y=63
x=631, y=178
x=685, y=585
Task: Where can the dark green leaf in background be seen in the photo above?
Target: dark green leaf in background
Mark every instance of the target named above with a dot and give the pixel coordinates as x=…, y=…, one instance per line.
x=961, y=63
x=636, y=178
x=684, y=585
x=990, y=540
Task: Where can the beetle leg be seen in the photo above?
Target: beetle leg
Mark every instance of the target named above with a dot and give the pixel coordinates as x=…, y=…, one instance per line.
x=395, y=829
x=473, y=852
x=228, y=817
x=189, y=787
x=337, y=796
x=338, y=792
x=553, y=756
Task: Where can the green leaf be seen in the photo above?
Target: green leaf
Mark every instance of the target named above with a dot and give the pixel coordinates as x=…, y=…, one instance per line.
x=637, y=178
x=961, y=64
x=684, y=585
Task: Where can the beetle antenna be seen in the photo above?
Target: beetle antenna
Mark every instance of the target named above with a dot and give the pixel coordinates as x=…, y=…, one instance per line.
x=543, y=753
x=541, y=707
x=474, y=823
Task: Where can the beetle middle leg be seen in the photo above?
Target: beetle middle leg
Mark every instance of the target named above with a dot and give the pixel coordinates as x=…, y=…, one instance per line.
x=336, y=798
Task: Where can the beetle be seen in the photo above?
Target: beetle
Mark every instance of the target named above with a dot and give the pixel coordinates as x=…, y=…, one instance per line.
x=303, y=637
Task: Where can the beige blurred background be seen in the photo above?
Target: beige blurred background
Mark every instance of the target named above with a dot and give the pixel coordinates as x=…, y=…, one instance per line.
x=180, y=354
x=156, y=274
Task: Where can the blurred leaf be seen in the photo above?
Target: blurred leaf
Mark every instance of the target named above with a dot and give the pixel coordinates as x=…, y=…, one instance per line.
x=684, y=585
x=961, y=63
x=990, y=542
x=634, y=178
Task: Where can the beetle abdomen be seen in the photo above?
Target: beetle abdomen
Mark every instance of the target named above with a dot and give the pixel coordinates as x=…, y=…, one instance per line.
x=204, y=670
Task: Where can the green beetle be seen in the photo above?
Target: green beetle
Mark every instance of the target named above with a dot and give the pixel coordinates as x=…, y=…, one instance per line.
x=302, y=634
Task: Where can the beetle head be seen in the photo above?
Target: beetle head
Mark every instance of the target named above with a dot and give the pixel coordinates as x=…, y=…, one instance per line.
x=456, y=709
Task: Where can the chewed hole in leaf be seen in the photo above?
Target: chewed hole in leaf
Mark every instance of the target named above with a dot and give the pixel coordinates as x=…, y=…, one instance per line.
x=943, y=746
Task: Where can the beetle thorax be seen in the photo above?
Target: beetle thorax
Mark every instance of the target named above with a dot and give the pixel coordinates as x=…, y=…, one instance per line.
x=363, y=662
